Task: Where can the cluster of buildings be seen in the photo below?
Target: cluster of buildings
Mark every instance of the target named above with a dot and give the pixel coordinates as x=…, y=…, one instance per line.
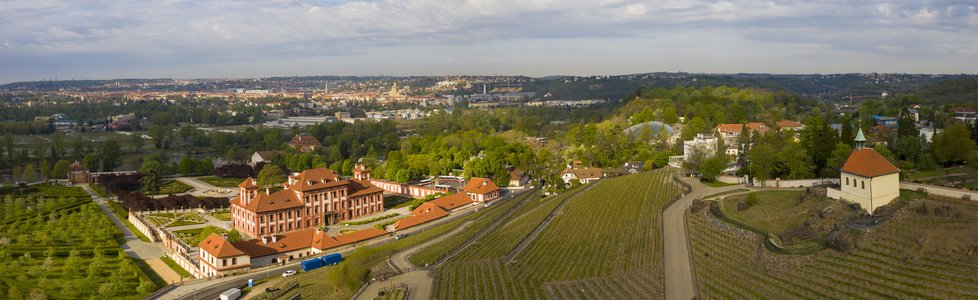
x=284, y=225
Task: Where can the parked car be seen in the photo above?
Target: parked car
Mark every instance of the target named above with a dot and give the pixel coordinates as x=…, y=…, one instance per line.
x=288, y=273
x=400, y=236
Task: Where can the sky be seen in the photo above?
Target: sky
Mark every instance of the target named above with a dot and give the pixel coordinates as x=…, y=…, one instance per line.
x=43, y=39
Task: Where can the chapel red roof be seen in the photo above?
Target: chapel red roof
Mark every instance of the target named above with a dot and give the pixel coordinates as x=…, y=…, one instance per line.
x=866, y=162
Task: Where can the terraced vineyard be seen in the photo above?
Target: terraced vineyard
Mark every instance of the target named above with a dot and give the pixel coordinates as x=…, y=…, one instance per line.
x=605, y=242
x=437, y=251
x=920, y=253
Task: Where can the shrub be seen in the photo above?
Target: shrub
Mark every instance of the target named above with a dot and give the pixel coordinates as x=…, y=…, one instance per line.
x=751, y=199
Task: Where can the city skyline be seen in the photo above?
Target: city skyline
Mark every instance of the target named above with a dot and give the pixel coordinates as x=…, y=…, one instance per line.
x=66, y=40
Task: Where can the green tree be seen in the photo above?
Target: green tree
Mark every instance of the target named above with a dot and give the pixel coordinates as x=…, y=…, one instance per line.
x=905, y=125
x=17, y=173
x=926, y=162
x=29, y=175
x=712, y=167
x=8, y=142
x=234, y=236
x=839, y=156
x=669, y=115
x=45, y=169
x=908, y=147
x=819, y=140
x=270, y=175
x=953, y=145
x=110, y=154
x=91, y=161
x=151, y=170
x=763, y=161
x=795, y=159
x=136, y=142
x=847, y=135
x=694, y=126
x=60, y=169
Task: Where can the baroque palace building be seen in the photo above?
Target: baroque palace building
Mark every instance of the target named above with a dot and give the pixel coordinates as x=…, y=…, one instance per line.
x=308, y=200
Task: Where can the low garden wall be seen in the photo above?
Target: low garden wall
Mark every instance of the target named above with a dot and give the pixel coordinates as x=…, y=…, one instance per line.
x=939, y=190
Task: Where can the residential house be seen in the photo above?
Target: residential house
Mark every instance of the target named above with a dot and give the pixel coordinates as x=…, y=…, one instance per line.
x=305, y=142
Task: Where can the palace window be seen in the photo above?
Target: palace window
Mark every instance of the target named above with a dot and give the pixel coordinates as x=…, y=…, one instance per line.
x=864, y=184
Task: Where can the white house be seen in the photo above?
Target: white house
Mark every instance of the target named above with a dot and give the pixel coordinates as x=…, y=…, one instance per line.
x=703, y=143
x=867, y=178
x=585, y=175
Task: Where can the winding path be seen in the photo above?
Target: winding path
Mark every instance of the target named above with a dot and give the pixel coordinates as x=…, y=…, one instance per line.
x=678, y=267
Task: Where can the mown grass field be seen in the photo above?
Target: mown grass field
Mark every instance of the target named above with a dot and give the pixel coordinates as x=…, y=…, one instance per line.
x=926, y=251
x=605, y=243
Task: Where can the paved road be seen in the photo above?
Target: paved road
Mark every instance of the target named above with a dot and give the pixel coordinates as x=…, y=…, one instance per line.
x=678, y=270
x=133, y=246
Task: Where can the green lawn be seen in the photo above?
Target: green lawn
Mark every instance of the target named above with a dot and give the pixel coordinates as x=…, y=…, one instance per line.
x=176, y=267
x=227, y=182
x=99, y=190
x=172, y=187
x=222, y=215
x=396, y=201
x=194, y=236
x=776, y=211
x=718, y=184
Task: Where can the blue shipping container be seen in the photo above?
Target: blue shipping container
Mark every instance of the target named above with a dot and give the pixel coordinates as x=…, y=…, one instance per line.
x=312, y=264
x=332, y=259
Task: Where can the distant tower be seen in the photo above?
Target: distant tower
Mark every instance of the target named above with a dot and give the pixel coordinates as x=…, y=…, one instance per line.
x=394, y=92
x=860, y=138
x=326, y=88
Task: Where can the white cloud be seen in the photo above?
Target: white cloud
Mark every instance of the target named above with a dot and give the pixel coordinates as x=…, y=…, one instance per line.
x=150, y=34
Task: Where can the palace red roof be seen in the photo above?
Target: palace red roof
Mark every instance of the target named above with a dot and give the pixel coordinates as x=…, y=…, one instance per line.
x=868, y=163
x=284, y=199
x=478, y=185
x=318, y=178
x=219, y=247
x=362, y=187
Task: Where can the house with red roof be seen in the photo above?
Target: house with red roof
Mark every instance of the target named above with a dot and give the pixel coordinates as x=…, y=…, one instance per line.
x=867, y=178
x=218, y=257
x=305, y=142
x=481, y=190
x=731, y=132
x=308, y=200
